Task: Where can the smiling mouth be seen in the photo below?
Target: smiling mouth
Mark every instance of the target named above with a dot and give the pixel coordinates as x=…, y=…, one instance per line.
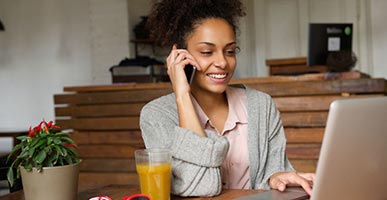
x=218, y=76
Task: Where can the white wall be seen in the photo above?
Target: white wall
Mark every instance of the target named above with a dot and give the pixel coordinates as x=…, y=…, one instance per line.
x=379, y=37
x=109, y=37
x=137, y=9
x=49, y=44
x=46, y=45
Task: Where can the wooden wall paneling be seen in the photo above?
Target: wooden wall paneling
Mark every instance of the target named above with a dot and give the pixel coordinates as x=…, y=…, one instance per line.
x=303, y=165
x=101, y=110
x=110, y=97
x=304, y=119
x=108, y=150
x=129, y=137
x=108, y=165
x=311, y=103
x=303, y=151
x=300, y=88
x=101, y=123
x=304, y=135
x=105, y=120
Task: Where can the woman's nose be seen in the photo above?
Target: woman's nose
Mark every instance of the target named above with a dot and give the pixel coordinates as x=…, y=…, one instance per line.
x=220, y=60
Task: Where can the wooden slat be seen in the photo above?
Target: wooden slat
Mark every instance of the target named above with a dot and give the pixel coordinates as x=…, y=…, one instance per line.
x=108, y=165
x=305, y=77
x=108, y=137
x=89, y=180
x=304, y=103
x=107, y=151
x=303, y=151
x=286, y=61
x=304, y=165
x=296, y=69
x=304, y=88
x=304, y=135
x=110, y=97
x=111, y=123
x=311, y=103
x=101, y=110
x=304, y=119
x=118, y=87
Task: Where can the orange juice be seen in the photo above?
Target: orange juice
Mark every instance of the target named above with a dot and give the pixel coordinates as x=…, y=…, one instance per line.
x=155, y=180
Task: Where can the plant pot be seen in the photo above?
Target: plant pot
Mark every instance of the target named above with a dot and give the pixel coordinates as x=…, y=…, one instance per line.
x=59, y=183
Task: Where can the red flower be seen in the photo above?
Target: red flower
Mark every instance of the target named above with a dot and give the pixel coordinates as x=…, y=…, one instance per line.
x=37, y=129
x=43, y=125
x=52, y=125
x=31, y=133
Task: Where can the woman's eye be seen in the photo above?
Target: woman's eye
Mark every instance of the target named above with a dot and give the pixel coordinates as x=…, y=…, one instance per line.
x=206, y=52
x=230, y=52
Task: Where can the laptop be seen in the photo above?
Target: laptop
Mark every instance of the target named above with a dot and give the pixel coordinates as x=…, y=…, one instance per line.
x=353, y=157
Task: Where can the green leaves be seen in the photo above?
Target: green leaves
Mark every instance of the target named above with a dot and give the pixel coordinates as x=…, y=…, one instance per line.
x=10, y=176
x=41, y=149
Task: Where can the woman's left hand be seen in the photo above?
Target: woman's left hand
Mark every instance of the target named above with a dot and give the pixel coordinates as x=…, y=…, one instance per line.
x=280, y=180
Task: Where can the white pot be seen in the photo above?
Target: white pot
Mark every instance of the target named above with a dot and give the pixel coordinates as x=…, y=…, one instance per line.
x=51, y=183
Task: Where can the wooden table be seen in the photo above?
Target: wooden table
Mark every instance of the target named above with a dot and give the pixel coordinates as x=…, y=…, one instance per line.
x=117, y=192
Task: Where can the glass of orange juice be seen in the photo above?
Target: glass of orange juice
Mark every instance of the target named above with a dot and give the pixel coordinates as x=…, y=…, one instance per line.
x=154, y=169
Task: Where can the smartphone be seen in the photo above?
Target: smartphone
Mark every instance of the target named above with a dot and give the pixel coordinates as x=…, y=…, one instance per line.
x=189, y=72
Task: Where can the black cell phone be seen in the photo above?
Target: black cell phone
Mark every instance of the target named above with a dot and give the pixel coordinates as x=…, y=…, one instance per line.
x=189, y=72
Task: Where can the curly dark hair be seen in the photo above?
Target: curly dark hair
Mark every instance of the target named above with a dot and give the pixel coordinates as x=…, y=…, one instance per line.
x=171, y=21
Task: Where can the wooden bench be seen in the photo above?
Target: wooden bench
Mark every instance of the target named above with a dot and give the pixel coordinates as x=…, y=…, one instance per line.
x=104, y=120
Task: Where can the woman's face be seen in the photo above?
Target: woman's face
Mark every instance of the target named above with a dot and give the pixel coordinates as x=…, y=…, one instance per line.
x=213, y=45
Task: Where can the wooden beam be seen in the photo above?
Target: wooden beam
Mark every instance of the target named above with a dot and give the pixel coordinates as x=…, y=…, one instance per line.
x=304, y=135
x=311, y=103
x=100, y=110
x=302, y=165
x=108, y=165
x=304, y=119
x=107, y=151
x=303, y=151
x=129, y=137
x=305, y=88
x=100, y=124
x=110, y=97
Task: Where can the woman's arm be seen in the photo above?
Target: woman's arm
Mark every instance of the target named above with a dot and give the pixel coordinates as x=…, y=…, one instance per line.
x=196, y=159
x=279, y=173
x=267, y=142
x=176, y=61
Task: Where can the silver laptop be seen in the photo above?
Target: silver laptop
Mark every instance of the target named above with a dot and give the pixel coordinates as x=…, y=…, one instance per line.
x=353, y=158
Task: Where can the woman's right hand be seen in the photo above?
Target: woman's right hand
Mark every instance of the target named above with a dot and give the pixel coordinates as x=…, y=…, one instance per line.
x=176, y=61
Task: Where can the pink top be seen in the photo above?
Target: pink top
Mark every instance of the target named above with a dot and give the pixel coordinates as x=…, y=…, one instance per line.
x=235, y=168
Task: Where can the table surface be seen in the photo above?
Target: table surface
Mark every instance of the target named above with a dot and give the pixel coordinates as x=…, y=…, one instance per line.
x=117, y=192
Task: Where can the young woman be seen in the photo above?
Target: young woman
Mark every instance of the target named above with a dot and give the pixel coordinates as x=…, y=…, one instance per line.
x=220, y=136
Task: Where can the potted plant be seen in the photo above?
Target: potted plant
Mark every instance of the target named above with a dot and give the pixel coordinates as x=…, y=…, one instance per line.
x=47, y=161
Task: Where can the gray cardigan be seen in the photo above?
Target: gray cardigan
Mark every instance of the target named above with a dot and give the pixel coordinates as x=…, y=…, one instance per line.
x=197, y=160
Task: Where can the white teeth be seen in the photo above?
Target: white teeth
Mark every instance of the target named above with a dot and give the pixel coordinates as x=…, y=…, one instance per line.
x=218, y=76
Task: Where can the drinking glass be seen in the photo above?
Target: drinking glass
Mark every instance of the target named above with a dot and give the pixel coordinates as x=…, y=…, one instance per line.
x=154, y=169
